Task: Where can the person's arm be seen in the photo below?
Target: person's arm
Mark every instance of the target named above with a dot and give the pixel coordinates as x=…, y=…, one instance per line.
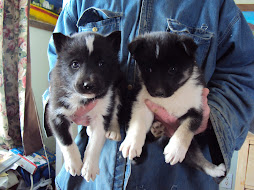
x=232, y=84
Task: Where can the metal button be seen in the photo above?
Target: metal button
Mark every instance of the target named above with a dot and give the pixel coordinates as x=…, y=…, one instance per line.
x=94, y=29
x=129, y=87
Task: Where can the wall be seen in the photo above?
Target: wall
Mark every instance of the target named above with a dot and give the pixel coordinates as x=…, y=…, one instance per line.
x=39, y=43
x=244, y=1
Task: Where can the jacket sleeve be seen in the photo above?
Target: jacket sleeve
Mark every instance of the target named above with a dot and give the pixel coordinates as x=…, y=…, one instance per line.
x=231, y=97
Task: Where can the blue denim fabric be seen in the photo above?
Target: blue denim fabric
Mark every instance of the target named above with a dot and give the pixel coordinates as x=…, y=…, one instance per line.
x=225, y=54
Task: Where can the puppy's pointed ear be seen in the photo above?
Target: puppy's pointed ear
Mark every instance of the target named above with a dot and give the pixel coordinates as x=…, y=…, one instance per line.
x=115, y=39
x=189, y=45
x=136, y=46
x=59, y=41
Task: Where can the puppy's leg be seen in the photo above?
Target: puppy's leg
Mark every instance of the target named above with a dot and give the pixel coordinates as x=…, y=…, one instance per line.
x=139, y=125
x=179, y=143
x=60, y=126
x=113, y=132
x=196, y=159
x=93, y=150
x=156, y=132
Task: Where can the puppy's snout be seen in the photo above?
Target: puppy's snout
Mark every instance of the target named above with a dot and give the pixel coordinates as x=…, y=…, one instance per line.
x=159, y=93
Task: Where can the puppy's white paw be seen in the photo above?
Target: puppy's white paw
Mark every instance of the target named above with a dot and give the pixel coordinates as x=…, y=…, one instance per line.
x=73, y=164
x=217, y=171
x=174, y=152
x=113, y=135
x=131, y=148
x=72, y=159
x=90, y=169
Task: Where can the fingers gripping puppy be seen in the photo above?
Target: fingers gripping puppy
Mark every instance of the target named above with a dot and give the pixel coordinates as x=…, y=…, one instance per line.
x=86, y=69
x=170, y=78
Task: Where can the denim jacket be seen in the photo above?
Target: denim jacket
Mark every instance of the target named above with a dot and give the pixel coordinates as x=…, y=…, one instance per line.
x=225, y=54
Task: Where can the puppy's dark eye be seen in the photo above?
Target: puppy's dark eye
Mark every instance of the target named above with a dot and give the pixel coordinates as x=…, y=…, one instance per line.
x=172, y=70
x=75, y=65
x=149, y=70
x=101, y=63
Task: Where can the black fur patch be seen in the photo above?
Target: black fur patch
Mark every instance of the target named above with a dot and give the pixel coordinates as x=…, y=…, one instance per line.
x=62, y=130
x=196, y=117
x=108, y=117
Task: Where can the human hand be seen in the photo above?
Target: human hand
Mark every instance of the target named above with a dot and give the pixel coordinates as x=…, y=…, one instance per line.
x=171, y=123
x=80, y=117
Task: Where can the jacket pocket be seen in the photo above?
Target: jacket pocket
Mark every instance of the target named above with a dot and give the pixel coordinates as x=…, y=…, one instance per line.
x=200, y=35
x=99, y=20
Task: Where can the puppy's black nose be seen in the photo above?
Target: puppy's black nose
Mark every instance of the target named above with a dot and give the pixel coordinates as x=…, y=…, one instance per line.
x=159, y=93
x=88, y=86
x=85, y=87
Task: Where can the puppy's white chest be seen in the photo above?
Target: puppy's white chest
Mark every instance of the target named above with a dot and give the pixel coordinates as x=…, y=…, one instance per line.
x=180, y=102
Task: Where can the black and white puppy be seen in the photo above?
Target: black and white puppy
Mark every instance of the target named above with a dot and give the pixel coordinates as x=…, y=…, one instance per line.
x=170, y=78
x=87, y=69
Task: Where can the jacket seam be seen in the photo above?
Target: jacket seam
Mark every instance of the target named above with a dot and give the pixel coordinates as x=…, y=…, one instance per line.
x=57, y=186
x=113, y=182
x=228, y=29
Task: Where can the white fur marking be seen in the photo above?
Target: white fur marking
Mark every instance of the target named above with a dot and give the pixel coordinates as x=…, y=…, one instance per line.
x=157, y=50
x=89, y=43
x=57, y=121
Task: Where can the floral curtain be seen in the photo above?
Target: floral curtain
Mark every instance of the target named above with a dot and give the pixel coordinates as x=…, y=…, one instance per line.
x=19, y=123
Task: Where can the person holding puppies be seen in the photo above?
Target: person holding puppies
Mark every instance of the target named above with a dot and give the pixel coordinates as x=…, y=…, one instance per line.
x=225, y=56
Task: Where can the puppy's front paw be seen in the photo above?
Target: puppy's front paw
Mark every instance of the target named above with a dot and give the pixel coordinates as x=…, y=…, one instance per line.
x=90, y=169
x=174, y=152
x=73, y=164
x=131, y=147
x=113, y=135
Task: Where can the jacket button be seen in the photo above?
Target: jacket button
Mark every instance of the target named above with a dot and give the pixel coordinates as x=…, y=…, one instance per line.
x=94, y=29
x=129, y=87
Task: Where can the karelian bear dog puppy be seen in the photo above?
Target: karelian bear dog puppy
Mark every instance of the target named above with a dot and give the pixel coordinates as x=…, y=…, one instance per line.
x=87, y=69
x=169, y=77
